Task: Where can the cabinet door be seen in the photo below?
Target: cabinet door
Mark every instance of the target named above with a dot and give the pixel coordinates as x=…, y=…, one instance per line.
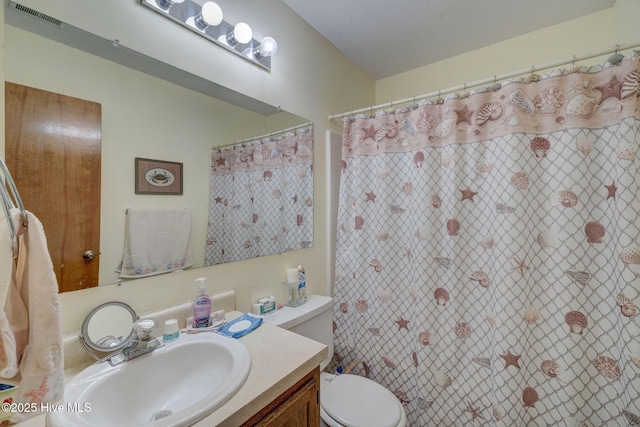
x=299, y=410
x=299, y=406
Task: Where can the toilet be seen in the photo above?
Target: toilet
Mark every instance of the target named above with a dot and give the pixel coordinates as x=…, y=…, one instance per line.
x=345, y=400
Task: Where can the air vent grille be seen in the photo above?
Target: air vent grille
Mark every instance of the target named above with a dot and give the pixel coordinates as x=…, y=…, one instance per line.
x=38, y=15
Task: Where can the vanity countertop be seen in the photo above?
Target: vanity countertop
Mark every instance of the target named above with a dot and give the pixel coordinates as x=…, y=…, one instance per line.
x=279, y=358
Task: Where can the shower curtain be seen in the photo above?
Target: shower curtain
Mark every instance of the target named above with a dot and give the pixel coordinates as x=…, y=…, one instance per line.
x=488, y=252
x=261, y=198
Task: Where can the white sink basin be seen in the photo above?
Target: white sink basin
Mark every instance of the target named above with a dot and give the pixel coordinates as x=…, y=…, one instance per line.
x=175, y=385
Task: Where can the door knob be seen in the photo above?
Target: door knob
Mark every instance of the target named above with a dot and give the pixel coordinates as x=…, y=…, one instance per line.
x=88, y=255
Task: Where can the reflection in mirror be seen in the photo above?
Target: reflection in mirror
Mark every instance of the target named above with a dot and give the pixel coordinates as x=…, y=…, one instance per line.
x=136, y=94
x=108, y=327
x=261, y=197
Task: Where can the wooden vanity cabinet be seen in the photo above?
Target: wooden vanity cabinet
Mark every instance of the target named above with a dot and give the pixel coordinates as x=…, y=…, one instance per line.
x=299, y=406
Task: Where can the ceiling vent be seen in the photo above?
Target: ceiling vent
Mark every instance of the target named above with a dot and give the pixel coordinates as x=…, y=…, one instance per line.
x=38, y=15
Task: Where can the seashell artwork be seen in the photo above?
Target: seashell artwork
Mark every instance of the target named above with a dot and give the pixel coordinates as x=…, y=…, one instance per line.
x=584, y=145
x=418, y=159
x=484, y=167
x=441, y=295
x=496, y=412
x=631, y=85
x=549, y=100
x=424, y=404
x=594, y=231
x=462, y=330
x=344, y=307
x=453, y=226
x=444, y=380
x=634, y=420
x=607, y=367
x=532, y=315
x=521, y=101
x=377, y=267
x=385, y=298
x=489, y=111
x=491, y=320
x=520, y=180
x=626, y=150
x=387, y=130
x=631, y=255
x=436, y=201
x=530, y=397
x=409, y=126
x=635, y=359
x=444, y=128
x=487, y=242
x=359, y=222
x=374, y=331
x=446, y=158
x=503, y=208
x=581, y=105
x=567, y=198
x=401, y=396
x=389, y=363
x=443, y=262
x=550, y=368
x=548, y=239
x=540, y=146
x=577, y=321
x=383, y=236
x=414, y=357
x=424, y=338
x=407, y=188
x=362, y=306
x=481, y=277
x=581, y=277
x=627, y=307
x=425, y=122
x=482, y=361
x=382, y=174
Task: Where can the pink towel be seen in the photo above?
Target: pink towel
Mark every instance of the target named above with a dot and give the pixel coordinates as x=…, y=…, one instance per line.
x=32, y=305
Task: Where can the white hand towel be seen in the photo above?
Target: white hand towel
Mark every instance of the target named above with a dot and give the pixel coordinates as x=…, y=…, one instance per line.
x=156, y=242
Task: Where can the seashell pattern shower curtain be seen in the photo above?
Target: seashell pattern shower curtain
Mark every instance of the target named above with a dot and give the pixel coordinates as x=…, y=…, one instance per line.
x=488, y=252
x=261, y=198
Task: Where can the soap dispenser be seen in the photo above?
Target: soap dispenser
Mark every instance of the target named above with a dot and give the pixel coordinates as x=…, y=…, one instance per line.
x=201, y=306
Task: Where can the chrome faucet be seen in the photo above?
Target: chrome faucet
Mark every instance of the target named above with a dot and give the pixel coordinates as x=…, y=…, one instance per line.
x=141, y=343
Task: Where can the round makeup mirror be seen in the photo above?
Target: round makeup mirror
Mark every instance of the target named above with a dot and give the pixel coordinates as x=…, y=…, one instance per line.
x=108, y=327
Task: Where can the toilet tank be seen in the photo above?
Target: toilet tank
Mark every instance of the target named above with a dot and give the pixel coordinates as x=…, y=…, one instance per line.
x=312, y=320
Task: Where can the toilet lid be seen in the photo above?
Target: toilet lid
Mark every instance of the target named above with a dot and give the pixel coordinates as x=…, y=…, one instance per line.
x=356, y=401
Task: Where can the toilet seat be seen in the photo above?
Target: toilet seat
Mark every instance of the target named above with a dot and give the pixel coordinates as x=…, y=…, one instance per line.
x=355, y=401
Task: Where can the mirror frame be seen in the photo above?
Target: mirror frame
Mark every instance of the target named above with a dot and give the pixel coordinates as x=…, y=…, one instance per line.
x=84, y=331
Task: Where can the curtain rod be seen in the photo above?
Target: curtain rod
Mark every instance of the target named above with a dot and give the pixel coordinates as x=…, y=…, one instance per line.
x=489, y=80
x=263, y=136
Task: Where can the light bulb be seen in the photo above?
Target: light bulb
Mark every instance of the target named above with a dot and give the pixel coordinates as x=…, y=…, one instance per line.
x=242, y=33
x=268, y=47
x=211, y=13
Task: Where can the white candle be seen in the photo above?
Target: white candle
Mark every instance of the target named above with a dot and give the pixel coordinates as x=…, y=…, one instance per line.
x=292, y=275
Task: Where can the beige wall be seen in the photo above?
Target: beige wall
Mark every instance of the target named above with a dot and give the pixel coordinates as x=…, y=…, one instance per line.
x=591, y=33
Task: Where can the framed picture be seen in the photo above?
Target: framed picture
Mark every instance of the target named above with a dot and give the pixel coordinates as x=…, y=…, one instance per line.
x=158, y=177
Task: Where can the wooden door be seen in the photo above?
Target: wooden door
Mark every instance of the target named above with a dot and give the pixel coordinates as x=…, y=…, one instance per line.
x=53, y=151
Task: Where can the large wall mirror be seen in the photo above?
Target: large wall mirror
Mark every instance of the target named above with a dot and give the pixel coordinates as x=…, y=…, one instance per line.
x=148, y=110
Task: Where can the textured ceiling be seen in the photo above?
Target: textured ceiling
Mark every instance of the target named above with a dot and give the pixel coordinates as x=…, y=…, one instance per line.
x=386, y=38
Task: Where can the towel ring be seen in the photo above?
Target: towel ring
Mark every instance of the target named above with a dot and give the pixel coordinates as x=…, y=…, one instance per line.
x=14, y=192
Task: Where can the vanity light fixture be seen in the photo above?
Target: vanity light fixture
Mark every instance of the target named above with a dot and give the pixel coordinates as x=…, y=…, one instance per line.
x=206, y=20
